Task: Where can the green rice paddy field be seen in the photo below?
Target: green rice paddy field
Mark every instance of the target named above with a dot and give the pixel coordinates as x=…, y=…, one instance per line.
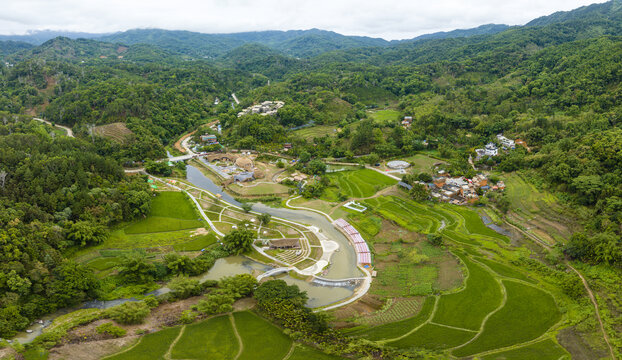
x=241, y=335
x=498, y=306
x=360, y=183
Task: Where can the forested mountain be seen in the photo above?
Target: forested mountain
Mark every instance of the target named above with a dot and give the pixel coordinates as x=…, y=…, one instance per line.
x=480, y=30
x=55, y=193
x=39, y=37
x=609, y=11
x=9, y=47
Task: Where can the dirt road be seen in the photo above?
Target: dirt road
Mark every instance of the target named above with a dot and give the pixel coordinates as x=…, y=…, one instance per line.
x=67, y=130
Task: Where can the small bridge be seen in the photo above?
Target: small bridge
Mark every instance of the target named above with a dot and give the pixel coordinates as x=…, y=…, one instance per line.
x=180, y=158
x=273, y=272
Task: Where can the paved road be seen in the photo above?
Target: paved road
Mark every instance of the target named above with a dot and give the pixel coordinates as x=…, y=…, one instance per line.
x=68, y=130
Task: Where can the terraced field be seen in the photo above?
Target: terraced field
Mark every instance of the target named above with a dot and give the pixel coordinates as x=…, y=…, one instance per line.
x=241, y=335
x=361, y=183
x=538, y=210
x=499, y=308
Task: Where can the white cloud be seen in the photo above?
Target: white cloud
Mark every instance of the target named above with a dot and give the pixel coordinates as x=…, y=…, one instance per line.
x=390, y=19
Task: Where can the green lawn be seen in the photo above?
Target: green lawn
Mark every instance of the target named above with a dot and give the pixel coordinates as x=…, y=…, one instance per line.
x=260, y=189
x=261, y=339
x=170, y=211
x=398, y=328
x=151, y=346
x=433, y=337
x=360, y=183
x=543, y=350
x=528, y=313
x=210, y=339
x=173, y=204
x=422, y=163
x=467, y=308
x=385, y=116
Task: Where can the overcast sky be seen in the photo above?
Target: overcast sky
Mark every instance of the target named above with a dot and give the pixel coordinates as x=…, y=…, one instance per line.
x=389, y=19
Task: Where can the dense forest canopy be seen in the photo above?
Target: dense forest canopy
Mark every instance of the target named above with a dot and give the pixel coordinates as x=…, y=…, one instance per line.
x=56, y=193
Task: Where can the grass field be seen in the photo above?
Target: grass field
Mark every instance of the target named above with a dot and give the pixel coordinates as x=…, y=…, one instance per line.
x=421, y=163
x=467, y=308
x=384, y=116
x=151, y=346
x=170, y=211
x=360, y=183
x=543, y=350
x=260, y=189
x=528, y=313
x=261, y=339
x=211, y=339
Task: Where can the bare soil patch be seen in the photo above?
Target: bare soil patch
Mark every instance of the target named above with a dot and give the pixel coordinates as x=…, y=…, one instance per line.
x=449, y=274
x=572, y=341
x=366, y=305
x=199, y=231
x=92, y=350
x=178, y=143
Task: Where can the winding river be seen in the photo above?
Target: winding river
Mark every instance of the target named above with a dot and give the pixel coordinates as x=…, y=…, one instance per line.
x=343, y=262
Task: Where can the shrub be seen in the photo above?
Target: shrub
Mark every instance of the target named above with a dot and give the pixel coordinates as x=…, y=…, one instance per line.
x=187, y=317
x=110, y=329
x=183, y=287
x=129, y=312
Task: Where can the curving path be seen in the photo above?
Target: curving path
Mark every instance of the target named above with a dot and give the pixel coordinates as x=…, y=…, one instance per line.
x=67, y=130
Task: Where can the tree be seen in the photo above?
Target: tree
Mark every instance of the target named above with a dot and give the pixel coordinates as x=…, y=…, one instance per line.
x=239, y=241
x=239, y=285
x=316, y=167
x=264, y=218
x=86, y=233
x=276, y=290
x=419, y=192
x=435, y=239
x=247, y=207
x=131, y=312
x=216, y=302
x=184, y=287
x=158, y=168
x=135, y=269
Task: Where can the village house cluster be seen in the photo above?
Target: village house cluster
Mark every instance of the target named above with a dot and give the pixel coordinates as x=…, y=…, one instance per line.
x=265, y=108
x=491, y=149
x=458, y=190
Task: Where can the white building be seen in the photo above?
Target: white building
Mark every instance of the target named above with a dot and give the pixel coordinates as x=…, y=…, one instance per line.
x=505, y=142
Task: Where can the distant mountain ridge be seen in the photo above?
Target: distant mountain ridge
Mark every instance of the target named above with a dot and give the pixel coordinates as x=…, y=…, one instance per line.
x=274, y=51
x=297, y=43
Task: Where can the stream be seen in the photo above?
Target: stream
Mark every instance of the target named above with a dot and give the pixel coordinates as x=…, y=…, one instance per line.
x=342, y=265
